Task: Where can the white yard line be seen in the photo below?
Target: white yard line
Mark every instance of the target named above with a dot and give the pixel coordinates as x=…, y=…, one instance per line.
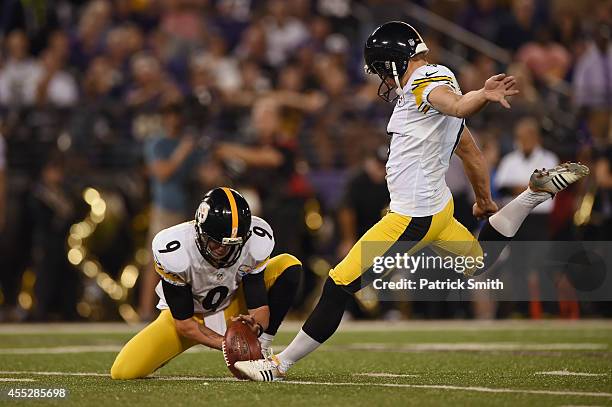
x=60, y=350
x=568, y=373
x=25, y=372
x=475, y=346
x=385, y=375
x=83, y=349
x=310, y=383
x=10, y=379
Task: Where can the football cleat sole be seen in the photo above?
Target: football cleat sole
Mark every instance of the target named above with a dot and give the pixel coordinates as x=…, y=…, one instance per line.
x=558, y=178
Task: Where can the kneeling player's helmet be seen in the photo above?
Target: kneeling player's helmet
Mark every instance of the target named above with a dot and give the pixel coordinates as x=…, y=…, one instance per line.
x=387, y=51
x=223, y=225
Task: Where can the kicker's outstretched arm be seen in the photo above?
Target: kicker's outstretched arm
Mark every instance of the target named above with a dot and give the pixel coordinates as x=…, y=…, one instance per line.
x=495, y=89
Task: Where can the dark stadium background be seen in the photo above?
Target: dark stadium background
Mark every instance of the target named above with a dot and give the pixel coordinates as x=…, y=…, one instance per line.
x=270, y=98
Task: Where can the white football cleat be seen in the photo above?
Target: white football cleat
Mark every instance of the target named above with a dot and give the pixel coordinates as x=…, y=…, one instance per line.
x=558, y=178
x=262, y=370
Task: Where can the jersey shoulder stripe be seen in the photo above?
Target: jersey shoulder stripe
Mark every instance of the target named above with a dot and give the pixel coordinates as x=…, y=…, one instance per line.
x=417, y=82
x=426, y=79
x=168, y=277
x=419, y=88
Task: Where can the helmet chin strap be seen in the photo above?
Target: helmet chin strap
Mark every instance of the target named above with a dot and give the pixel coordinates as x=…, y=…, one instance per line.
x=398, y=90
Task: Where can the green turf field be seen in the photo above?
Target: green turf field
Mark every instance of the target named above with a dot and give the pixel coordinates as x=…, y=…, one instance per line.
x=384, y=364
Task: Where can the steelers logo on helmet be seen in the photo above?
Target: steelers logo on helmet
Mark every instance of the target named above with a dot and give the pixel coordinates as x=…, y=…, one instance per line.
x=222, y=224
x=202, y=212
x=387, y=52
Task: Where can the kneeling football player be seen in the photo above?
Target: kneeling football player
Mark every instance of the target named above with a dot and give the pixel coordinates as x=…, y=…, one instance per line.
x=214, y=268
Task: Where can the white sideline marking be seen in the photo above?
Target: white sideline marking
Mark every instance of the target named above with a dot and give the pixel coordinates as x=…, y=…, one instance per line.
x=56, y=373
x=60, y=349
x=93, y=374
x=475, y=346
x=568, y=373
x=9, y=379
x=299, y=382
x=78, y=349
x=385, y=375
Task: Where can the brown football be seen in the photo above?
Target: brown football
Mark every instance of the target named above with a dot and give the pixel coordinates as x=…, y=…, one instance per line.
x=240, y=343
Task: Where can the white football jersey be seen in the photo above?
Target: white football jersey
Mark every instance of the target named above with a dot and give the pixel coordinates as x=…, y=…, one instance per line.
x=422, y=142
x=178, y=261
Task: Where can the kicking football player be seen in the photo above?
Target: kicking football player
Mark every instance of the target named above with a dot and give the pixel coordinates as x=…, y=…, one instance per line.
x=213, y=269
x=426, y=127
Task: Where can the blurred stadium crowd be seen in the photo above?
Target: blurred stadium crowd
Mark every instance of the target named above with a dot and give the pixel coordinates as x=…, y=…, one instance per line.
x=116, y=116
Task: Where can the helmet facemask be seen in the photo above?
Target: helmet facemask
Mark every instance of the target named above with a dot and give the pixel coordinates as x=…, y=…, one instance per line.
x=219, y=254
x=219, y=251
x=390, y=87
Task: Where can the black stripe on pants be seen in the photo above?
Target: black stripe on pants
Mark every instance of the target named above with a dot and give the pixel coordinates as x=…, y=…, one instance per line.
x=414, y=233
x=326, y=316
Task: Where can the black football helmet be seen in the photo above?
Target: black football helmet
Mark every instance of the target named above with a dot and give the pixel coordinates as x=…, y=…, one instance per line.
x=387, y=51
x=223, y=226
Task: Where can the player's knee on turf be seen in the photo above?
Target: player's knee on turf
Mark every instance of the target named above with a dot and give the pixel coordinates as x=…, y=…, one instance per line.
x=123, y=370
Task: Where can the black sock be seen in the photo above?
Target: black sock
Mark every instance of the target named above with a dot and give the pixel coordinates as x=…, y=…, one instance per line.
x=281, y=296
x=489, y=233
x=325, y=318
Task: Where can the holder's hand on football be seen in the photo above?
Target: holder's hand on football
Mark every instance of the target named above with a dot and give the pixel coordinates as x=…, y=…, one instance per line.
x=249, y=321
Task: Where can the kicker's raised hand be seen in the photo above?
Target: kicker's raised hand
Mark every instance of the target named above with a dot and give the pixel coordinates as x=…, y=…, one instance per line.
x=500, y=86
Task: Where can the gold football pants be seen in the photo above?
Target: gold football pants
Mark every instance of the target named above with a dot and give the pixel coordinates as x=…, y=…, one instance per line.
x=442, y=232
x=159, y=341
